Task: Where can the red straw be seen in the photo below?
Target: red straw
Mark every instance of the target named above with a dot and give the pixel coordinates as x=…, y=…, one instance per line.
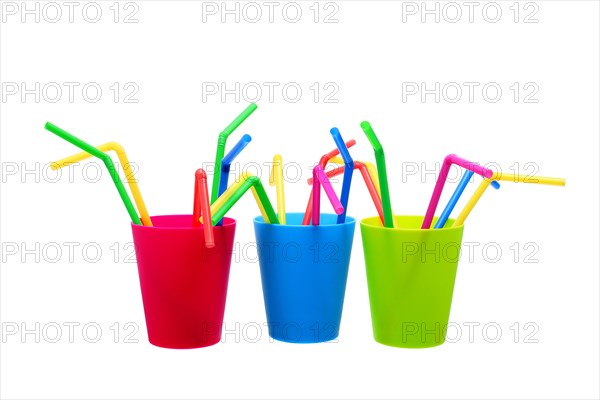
x=202, y=206
x=323, y=163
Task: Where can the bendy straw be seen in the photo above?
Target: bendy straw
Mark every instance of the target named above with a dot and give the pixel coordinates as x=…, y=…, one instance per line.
x=235, y=186
x=276, y=179
x=235, y=192
x=441, y=181
x=320, y=179
x=107, y=162
x=460, y=220
x=348, y=171
x=460, y=188
x=323, y=163
x=222, y=142
x=386, y=203
x=129, y=175
x=370, y=167
x=368, y=182
x=541, y=180
x=499, y=176
x=202, y=207
x=228, y=160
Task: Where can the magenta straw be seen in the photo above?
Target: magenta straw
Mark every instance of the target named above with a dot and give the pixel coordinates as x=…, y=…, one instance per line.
x=439, y=185
x=320, y=179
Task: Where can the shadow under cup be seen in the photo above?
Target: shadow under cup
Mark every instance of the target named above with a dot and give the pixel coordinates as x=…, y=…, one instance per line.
x=183, y=283
x=304, y=271
x=410, y=275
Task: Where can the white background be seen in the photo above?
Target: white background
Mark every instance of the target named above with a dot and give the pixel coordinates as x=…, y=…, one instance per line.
x=171, y=131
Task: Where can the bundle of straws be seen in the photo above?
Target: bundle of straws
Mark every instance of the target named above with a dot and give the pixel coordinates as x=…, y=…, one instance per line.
x=223, y=197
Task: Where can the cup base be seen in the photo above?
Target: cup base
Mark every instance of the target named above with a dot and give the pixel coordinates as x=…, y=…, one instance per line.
x=409, y=345
x=173, y=346
x=302, y=341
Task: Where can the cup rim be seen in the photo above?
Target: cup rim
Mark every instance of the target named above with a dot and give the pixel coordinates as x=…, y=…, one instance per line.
x=349, y=221
x=227, y=222
x=365, y=223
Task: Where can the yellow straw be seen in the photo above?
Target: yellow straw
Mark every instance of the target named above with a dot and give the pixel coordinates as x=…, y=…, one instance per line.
x=276, y=179
x=129, y=175
x=499, y=176
x=231, y=190
x=370, y=167
x=542, y=180
x=485, y=183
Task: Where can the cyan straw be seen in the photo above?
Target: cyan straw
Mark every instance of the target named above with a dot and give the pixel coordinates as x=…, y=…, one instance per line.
x=348, y=170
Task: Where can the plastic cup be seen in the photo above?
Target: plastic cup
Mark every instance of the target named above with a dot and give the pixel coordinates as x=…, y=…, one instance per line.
x=410, y=276
x=183, y=283
x=304, y=270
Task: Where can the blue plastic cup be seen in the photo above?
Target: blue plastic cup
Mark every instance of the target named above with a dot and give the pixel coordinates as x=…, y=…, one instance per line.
x=304, y=269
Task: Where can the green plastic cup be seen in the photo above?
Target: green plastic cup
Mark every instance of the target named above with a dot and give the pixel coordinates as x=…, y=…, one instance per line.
x=410, y=275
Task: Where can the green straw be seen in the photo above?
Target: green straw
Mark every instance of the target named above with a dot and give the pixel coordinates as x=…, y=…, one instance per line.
x=388, y=216
x=107, y=161
x=262, y=196
x=221, y=148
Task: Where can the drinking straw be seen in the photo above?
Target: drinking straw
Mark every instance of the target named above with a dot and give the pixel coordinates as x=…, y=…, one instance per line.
x=370, y=168
x=320, y=179
x=202, y=207
x=460, y=188
x=107, y=162
x=228, y=160
x=541, y=180
x=506, y=178
x=222, y=141
x=439, y=185
x=276, y=179
x=362, y=167
x=235, y=192
x=131, y=181
x=388, y=215
x=460, y=220
x=323, y=163
x=349, y=170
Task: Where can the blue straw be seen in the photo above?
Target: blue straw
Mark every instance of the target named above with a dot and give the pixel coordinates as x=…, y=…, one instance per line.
x=228, y=160
x=454, y=199
x=348, y=170
x=455, y=196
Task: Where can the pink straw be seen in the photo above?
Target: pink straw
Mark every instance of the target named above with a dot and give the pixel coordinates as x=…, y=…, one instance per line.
x=323, y=163
x=320, y=179
x=202, y=206
x=368, y=182
x=439, y=185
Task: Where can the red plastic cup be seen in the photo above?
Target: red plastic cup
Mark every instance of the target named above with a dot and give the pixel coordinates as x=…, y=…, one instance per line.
x=184, y=283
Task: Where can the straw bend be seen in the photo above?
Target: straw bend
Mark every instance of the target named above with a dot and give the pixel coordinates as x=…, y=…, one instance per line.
x=221, y=143
x=107, y=162
x=381, y=172
x=323, y=163
x=224, y=203
x=127, y=170
x=348, y=172
x=441, y=181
